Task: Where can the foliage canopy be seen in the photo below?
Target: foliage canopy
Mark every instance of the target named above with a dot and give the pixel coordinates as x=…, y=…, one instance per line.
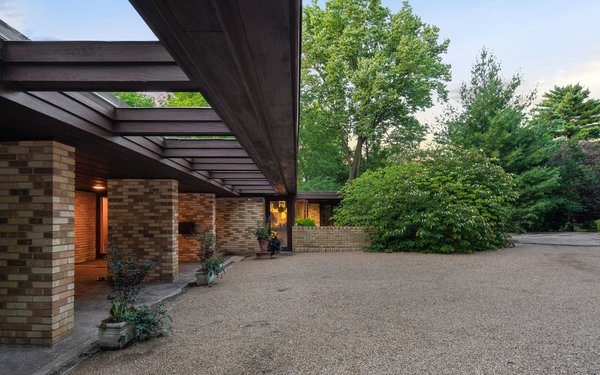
x=448, y=201
x=365, y=72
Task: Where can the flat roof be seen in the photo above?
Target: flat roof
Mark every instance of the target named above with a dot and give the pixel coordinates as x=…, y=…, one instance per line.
x=242, y=56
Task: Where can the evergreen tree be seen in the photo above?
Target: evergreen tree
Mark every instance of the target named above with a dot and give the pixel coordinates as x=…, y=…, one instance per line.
x=570, y=107
x=492, y=118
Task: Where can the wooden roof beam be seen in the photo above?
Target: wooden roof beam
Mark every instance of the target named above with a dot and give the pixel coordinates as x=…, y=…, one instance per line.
x=169, y=122
x=91, y=66
x=224, y=167
x=238, y=175
x=247, y=183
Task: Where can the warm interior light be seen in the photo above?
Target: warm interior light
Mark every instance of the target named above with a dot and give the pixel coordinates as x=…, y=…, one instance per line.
x=98, y=187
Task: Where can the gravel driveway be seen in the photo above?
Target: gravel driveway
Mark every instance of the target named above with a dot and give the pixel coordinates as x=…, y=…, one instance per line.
x=531, y=309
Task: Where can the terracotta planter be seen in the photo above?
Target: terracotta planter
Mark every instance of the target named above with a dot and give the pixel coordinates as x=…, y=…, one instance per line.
x=115, y=335
x=264, y=245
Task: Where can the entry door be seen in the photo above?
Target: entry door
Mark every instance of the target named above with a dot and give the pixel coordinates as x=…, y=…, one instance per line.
x=103, y=221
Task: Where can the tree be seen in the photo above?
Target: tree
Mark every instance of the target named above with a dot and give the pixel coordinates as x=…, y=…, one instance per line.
x=135, y=99
x=184, y=99
x=447, y=201
x=570, y=107
x=492, y=118
x=365, y=72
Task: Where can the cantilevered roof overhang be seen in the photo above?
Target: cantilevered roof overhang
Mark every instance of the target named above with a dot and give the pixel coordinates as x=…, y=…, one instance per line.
x=243, y=56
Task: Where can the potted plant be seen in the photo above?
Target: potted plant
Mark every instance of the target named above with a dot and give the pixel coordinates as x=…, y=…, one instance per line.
x=211, y=265
x=263, y=234
x=118, y=330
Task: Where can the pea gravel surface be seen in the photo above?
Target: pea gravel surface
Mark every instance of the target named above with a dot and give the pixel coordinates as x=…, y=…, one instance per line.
x=531, y=309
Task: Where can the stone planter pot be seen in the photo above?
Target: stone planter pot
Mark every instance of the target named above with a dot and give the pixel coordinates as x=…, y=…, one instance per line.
x=204, y=279
x=115, y=335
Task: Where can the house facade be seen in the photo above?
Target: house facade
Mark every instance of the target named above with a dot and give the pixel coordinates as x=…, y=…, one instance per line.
x=78, y=166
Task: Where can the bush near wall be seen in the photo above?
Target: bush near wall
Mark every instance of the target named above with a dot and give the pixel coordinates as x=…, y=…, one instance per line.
x=305, y=222
x=444, y=201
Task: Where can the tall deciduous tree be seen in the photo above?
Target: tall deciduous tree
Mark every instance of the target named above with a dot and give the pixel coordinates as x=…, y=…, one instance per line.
x=570, y=107
x=365, y=72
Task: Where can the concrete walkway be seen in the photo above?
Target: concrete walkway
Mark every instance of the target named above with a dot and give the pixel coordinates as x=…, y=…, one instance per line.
x=91, y=306
x=531, y=309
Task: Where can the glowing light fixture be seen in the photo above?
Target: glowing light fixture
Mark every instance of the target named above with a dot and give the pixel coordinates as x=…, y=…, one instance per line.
x=98, y=187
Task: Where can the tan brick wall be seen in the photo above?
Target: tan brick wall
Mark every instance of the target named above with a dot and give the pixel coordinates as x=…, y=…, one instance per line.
x=236, y=219
x=142, y=221
x=200, y=209
x=85, y=226
x=37, y=185
x=330, y=239
x=314, y=212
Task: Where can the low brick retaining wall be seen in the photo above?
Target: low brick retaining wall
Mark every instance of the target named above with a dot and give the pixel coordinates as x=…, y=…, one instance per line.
x=330, y=239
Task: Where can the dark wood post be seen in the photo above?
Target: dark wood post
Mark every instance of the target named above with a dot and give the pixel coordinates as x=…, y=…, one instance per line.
x=290, y=202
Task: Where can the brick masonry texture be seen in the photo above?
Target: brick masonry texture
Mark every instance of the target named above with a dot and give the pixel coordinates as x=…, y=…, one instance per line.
x=85, y=226
x=142, y=221
x=236, y=219
x=314, y=212
x=330, y=239
x=37, y=186
x=200, y=209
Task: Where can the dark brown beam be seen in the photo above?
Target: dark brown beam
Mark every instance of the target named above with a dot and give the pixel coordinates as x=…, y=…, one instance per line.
x=166, y=114
x=172, y=128
x=91, y=66
x=247, y=182
x=238, y=175
x=84, y=51
x=168, y=122
x=222, y=161
x=256, y=191
x=201, y=144
x=204, y=153
x=224, y=167
x=64, y=117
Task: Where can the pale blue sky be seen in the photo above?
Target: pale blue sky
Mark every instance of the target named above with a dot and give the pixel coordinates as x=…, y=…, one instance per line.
x=548, y=41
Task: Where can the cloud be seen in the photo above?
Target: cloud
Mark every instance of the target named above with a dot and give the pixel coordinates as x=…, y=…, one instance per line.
x=12, y=14
x=587, y=74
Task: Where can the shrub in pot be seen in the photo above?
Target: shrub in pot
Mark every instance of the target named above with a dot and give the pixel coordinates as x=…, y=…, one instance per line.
x=126, y=322
x=263, y=234
x=211, y=265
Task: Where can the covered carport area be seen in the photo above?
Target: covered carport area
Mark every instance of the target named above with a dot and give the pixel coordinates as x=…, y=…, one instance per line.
x=61, y=133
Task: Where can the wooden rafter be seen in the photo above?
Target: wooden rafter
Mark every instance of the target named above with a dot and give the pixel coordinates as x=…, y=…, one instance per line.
x=169, y=122
x=91, y=66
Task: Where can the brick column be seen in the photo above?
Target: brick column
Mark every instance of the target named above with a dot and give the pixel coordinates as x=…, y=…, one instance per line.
x=37, y=186
x=200, y=209
x=142, y=221
x=235, y=221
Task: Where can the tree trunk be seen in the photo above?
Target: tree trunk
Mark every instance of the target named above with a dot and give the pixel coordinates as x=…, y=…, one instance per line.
x=355, y=167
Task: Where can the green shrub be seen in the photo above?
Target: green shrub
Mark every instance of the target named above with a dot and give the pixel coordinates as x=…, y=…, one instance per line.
x=151, y=322
x=305, y=222
x=263, y=230
x=213, y=266
x=597, y=225
x=444, y=201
